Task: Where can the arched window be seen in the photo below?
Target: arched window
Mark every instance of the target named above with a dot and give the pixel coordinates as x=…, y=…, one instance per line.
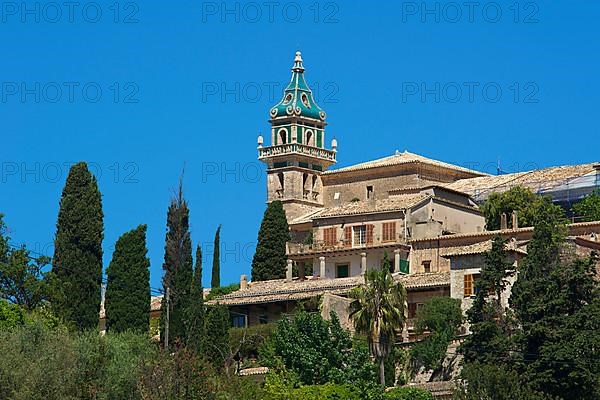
x=310, y=138
x=283, y=136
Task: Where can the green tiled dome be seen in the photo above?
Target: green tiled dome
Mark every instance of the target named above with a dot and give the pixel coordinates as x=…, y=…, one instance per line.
x=297, y=97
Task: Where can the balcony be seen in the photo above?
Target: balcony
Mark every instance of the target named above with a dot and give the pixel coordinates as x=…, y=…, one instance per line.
x=296, y=148
x=299, y=249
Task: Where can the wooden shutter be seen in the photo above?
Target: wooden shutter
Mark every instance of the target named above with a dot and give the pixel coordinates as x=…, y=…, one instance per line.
x=370, y=229
x=330, y=236
x=389, y=231
x=468, y=289
x=348, y=236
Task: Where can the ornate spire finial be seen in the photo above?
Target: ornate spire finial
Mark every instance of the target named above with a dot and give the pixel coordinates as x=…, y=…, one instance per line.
x=298, y=67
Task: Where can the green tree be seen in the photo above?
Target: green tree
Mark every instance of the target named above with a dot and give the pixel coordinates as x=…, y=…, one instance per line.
x=555, y=300
x=494, y=382
x=217, y=328
x=378, y=312
x=589, y=207
x=441, y=316
x=216, y=267
x=195, y=316
x=178, y=268
x=519, y=199
x=318, y=351
x=77, y=261
x=408, y=393
x=127, y=300
x=490, y=325
x=269, y=260
x=21, y=277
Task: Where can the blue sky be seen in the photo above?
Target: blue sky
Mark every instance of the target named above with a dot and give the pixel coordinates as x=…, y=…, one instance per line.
x=138, y=89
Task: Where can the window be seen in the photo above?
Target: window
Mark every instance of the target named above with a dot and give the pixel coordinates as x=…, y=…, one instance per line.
x=342, y=271
x=360, y=235
x=426, y=266
x=263, y=319
x=283, y=136
x=468, y=285
x=471, y=288
x=369, y=192
x=330, y=236
x=413, y=309
x=238, y=321
x=389, y=231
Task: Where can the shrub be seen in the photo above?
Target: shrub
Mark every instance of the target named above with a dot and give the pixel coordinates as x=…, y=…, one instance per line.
x=408, y=393
x=222, y=291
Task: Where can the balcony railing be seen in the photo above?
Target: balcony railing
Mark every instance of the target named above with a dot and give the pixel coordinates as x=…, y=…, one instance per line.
x=296, y=148
x=320, y=246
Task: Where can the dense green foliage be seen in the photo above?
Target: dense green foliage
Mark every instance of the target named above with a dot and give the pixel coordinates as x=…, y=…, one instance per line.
x=519, y=199
x=216, y=267
x=378, y=312
x=543, y=348
x=21, y=278
x=408, y=393
x=554, y=298
x=217, y=335
x=178, y=267
x=222, y=291
x=127, y=301
x=318, y=351
x=285, y=386
x=269, y=261
x=247, y=342
x=441, y=317
x=50, y=363
x=494, y=382
x=77, y=261
x=11, y=315
x=195, y=313
x=489, y=323
x=588, y=209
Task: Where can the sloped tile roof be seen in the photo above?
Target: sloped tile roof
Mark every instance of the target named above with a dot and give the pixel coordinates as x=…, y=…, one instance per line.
x=280, y=290
x=394, y=203
x=402, y=158
x=537, y=180
x=476, y=248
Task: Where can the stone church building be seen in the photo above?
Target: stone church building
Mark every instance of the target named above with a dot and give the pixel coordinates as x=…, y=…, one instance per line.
x=422, y=212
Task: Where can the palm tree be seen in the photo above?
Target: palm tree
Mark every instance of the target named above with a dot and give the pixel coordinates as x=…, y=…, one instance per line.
x=378, y=312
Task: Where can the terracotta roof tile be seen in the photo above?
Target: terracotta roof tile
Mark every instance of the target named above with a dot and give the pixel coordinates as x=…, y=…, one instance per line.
x=394, y=203
x=476, y=248
x=280, y=290
x=537, y=180
x=402, y=158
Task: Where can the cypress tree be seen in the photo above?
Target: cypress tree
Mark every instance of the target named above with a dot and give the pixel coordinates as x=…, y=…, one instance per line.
x=195, y=315
x=217, y=335
x=178, y=268
x=269, y=260
x=127, y=301
x=77, y=262
x=489, y=341
x=216, y=268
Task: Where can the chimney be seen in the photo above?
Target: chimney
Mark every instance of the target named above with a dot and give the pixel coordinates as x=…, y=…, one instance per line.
x=515, y=220
x=597, y=169
x=243, y=282
x=503, y=222
x=288, y=273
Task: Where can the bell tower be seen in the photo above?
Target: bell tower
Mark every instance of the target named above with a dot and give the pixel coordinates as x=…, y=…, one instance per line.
x=297, y=155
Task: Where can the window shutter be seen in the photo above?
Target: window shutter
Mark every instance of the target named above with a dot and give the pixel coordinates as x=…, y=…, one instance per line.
x=330, y=236
x=370, y=229
x=468, y=289
x=348, y=236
